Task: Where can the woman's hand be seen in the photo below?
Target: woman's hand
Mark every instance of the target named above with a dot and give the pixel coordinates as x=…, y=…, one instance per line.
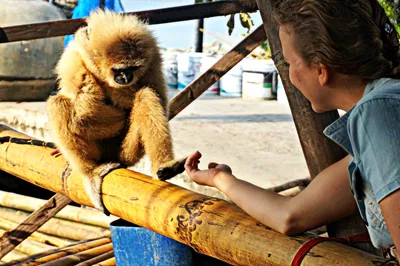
x=204, y=177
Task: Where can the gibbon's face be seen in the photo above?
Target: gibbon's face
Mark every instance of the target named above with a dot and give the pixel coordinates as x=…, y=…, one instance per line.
x=119, y=60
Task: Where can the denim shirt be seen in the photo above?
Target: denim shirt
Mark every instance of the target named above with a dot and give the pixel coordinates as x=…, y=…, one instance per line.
x=370, y=133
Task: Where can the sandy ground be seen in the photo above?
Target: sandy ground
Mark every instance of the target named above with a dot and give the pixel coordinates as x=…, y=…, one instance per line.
x=256, y=138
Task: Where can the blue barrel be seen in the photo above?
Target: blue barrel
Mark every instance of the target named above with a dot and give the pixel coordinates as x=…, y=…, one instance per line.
x=135, y=245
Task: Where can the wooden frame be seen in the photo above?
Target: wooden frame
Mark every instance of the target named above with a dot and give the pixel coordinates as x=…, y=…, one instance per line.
x=318, y=150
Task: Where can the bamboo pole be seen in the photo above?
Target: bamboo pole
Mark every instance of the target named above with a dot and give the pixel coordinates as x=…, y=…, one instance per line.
x=209, y=225
x=35, y=220
x=101, y=258
x=30, y=246
x=109, y=262
x=13, y=255
x=156, y=16
x=72, y=213
x=81, y=256
x=51, y=255
x=58, y=227
x=37, y=236
x=319, y=151
x=291, y=184
x=291, y=192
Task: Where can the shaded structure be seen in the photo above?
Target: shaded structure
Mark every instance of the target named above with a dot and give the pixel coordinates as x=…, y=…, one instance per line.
x=209, y=225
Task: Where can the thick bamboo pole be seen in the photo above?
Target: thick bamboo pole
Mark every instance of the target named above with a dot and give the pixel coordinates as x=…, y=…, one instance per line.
x=36, y=236
x=72, y=213
x=211, y=226
x=51, y=255
x=319, y=151
x=58, y=227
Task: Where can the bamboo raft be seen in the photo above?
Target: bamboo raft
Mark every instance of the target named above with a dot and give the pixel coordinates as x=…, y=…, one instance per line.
x=75, y=236
x=210, y=226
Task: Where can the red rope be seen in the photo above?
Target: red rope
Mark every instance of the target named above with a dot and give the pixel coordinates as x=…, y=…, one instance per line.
x=306, y=247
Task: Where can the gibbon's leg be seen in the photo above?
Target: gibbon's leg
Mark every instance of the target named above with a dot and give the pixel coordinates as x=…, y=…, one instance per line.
x=84, y=157
x=151, y=127
x=79, y=146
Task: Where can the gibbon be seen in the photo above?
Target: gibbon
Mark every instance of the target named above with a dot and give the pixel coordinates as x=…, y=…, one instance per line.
x=111, y=107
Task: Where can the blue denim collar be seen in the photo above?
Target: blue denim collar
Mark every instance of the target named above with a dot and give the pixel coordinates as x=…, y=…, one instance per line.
x=337, y=131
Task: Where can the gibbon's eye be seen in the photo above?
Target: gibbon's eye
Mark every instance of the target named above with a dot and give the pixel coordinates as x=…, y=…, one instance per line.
x=124, y=76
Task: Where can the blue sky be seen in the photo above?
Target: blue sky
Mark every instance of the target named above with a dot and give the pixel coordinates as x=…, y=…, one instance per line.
x=181, y=34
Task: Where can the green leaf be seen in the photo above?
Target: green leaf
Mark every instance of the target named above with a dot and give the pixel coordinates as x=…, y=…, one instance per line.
x=231, y=24
x=246, y=21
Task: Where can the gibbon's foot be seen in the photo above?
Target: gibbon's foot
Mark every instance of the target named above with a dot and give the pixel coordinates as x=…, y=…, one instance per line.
x=166, y=172
x=94, y=183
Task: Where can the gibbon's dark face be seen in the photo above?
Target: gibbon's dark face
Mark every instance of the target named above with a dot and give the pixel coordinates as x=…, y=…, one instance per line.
x=118, y=59
x=124, y=76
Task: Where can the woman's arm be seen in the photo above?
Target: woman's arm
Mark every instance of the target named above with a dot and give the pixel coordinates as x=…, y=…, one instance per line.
x=326, y=199
x=390, y=209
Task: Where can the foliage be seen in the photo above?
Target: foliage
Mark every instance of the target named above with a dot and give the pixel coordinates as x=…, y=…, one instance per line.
x=245, y=19
x=392, y=9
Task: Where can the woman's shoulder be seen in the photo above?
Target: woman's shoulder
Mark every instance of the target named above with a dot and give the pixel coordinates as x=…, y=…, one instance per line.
x=384, y=88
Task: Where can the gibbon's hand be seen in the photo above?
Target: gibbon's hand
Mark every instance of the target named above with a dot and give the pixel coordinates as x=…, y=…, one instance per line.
x=204, y=177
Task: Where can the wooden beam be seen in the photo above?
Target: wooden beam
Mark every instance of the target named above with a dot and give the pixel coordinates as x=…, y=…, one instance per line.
x=319, y=151
x=156, y=16
x=209, y=225
x=213, y=74
x=13, y=238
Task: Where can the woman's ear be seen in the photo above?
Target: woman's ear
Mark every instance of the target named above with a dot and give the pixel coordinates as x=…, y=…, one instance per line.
x=323, y=74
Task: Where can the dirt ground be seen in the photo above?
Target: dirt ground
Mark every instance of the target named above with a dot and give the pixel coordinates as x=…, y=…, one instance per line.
x=256, y=138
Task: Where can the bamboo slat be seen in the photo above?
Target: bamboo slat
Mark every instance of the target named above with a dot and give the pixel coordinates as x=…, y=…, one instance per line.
x=291, y=184
x=13, y=255
x=30, y=246
x=81, y=256
x=58, y=227
x=37, y=236
x=51, y=255
x=72, y=213
x=211, y=226
x=35, y=220
x=156, y=16
x=101, y=258
x=319, y=151
x=109, y=262
x=291, y=192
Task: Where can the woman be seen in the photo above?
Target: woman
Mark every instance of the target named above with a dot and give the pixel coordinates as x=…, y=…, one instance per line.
x=341, y=55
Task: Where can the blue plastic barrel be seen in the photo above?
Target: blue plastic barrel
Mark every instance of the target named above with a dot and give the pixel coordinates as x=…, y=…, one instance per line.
x=135, y=245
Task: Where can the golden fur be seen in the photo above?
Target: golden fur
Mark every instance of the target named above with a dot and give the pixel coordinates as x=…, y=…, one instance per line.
x=96, y=121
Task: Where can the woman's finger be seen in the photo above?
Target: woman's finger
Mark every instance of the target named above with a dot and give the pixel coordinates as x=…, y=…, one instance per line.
x=191, y=163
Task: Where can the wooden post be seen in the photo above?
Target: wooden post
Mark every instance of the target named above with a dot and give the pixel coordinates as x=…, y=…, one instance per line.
x=13, y=238
x=209, y=225
x=319, y=151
